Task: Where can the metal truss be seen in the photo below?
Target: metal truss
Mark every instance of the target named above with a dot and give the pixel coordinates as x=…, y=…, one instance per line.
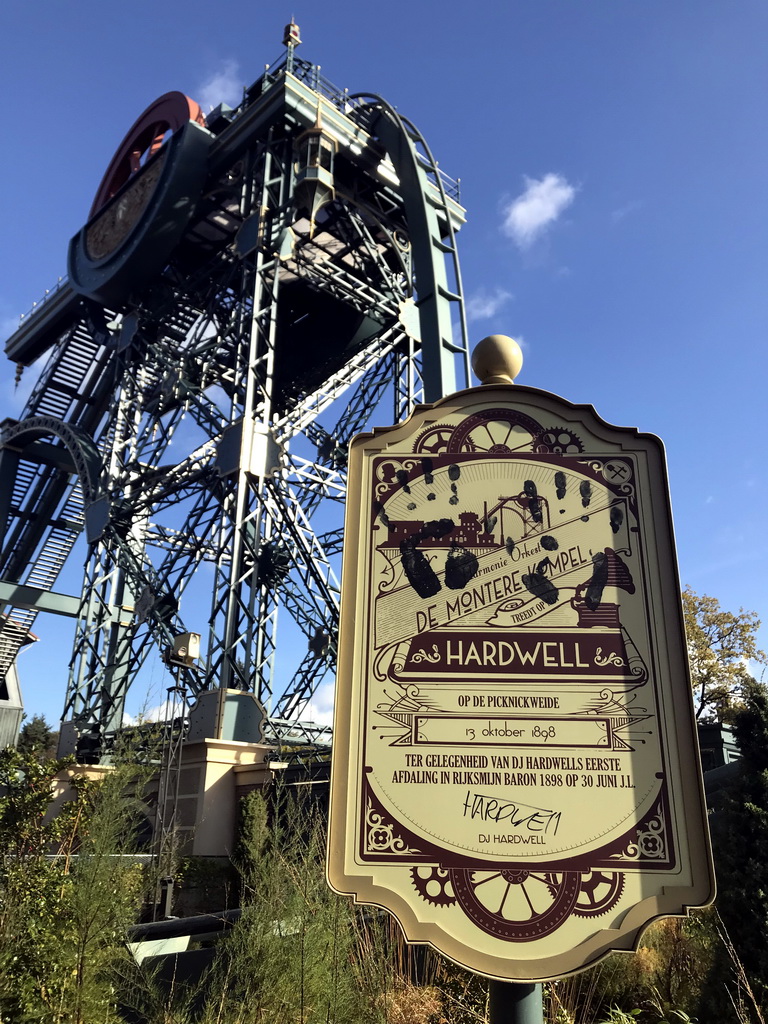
x=201, y=426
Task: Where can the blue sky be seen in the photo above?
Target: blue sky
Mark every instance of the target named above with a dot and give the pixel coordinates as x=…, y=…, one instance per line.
x=612, y=155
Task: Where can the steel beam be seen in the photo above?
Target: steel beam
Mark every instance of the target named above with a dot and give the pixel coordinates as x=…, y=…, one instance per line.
x=17, y=595
x=271, y=337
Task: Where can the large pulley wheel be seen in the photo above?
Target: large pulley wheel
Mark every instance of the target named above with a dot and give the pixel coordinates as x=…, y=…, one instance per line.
x=518, y=905
x=144, y=203
x=167, y=114
x=496, y=431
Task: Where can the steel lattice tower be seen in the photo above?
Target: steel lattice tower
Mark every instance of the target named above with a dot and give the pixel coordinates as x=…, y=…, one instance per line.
x=249, y=287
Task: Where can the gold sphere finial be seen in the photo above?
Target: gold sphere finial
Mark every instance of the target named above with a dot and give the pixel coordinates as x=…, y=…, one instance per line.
x=497, y=359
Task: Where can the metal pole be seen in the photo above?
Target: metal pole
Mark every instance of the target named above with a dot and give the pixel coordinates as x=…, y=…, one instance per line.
x=498, y=360
x=515, y=1002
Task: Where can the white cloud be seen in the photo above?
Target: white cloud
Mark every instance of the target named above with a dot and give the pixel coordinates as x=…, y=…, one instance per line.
x=158, y=713
x=625, y=211
x=755, y=668
x=538, y=206
x=320, y=708
x=223, y=86
x=485, y=304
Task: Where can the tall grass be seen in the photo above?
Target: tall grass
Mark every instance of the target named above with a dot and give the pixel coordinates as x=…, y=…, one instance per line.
x=300, y=954
x=66, y=892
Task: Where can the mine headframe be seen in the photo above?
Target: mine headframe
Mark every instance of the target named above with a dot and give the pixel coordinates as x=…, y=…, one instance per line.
x=249, y=287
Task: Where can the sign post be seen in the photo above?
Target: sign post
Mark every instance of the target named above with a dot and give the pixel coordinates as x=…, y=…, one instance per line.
x=515, y=771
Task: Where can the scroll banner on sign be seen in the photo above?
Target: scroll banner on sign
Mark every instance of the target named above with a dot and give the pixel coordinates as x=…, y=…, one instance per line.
x=515, y=774
x=445, y=654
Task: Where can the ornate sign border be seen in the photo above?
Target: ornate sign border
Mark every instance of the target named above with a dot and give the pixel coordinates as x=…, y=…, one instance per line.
x=515, y=771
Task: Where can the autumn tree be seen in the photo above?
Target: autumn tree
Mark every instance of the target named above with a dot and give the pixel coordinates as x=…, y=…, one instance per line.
x=720, y=646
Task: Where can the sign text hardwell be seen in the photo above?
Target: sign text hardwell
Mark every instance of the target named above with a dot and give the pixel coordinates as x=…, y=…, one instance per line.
x=515, y=775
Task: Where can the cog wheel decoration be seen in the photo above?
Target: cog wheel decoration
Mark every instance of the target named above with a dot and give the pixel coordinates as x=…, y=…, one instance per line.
x=434, y=440
x=497, y=431
x=557, y=441
x=434, y=885
x=600, y=890
x=517, y=905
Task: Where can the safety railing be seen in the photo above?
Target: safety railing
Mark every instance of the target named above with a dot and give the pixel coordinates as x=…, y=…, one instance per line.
x=310, y=74
x=47, y=296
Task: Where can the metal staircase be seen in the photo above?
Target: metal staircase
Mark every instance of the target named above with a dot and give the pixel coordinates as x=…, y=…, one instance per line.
x=45, y=514
x=266, y=319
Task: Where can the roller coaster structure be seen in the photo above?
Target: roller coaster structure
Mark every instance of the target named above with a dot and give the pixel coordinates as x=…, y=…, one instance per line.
x=242, y=279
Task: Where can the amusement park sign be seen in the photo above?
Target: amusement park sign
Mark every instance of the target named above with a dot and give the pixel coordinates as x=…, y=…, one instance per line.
x=515, y=772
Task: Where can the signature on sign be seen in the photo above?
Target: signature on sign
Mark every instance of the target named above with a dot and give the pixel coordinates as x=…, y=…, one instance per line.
x=531, y=819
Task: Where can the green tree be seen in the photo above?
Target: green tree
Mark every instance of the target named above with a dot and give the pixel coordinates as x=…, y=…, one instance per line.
x=720, y=645
x=739, y=829
x=66, y=894
x=300, y=954
x=38, y=737
x=290, y=957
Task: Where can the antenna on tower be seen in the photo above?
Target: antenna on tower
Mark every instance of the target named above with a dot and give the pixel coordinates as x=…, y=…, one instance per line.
x=291, y=37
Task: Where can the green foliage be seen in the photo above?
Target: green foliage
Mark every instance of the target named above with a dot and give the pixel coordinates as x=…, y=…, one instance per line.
x=660, y=981
x=720, y=644
x=739, y=830
x=37, y=737
x=66, y=894
x=301, y=954
x=676, y=954
x=288, y=958
x=252, y=840
x=205, y=883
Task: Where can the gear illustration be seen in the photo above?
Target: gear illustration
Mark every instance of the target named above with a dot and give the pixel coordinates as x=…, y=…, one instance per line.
x=495, y=431
x=433, y=884
x=433, y=441
x=557, y=441
x=598, y=892
x=516, y=905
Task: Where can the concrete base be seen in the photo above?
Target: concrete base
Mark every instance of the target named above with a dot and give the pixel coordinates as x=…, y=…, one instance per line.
x=214, y=774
